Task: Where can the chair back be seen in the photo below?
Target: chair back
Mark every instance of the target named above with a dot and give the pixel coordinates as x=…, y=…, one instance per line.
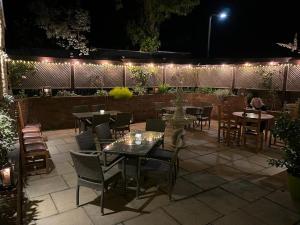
x=99, y=119
x=157, y=125
x=97, y=108
x=103, y=132
x=80, y=108
x=193, y=111
x=85, y=140
x=206, y=112
x=178, y=143
x=88, y=166
x=252, y=123
x=123, y=119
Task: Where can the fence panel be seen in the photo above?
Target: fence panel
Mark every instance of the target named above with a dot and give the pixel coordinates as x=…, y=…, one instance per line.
x=293, y=81
x=154, y=80
x=48, y=74
x=183, y=76
x=252, y=77
x=95, y=76
x=219, y=77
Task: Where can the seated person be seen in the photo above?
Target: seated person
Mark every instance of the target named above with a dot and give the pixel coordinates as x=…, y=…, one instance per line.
x=257, y=103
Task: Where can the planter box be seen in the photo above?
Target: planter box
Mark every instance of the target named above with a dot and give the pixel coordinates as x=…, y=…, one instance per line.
x=56, y=112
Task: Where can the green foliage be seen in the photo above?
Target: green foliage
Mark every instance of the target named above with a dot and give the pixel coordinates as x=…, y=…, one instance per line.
x=120, y=93
x=205, y=90
x=149, y=15
x=68, y=26
x=101, y=92
x=21, y=94
x=139, y=90
x=223, y=93
x=7, y=136
x=163, y=88
x=66, y=93
x=288, y=130
x=18, y=71
x=141, y=74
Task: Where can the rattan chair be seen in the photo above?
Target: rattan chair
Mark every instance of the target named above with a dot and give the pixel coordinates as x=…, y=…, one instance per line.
x=104, y=138
x=79, y=123
x=205, y=116
x=97, y=108
x=157, y=125
x=121, y=124
x=157, y=168
x=85, y=141
x=92, y=174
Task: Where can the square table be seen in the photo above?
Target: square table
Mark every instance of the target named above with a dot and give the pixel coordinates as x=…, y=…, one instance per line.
x=134, y=144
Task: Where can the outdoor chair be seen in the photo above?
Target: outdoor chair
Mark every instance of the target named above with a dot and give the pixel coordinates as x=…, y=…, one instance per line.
x=157, y=125
x=158, y=107
x=85, y=141
x=205, y=116
x=121, y=124
x=157, y=168
x=272, y=138
x=92, y=174
x=79, y=109
x=228, y=125
x=99, y=119
x=97, y=108
x=194, y=112
x=253, y=127
x=104, y=138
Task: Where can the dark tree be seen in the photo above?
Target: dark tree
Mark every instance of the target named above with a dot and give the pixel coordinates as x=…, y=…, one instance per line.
x=144, y=29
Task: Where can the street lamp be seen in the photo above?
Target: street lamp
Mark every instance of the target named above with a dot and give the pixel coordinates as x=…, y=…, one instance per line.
x=221, y=16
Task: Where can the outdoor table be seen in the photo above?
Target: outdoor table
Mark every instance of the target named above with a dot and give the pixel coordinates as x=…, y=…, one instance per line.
x=88, y=115
x=264, y=117
x=134, y=144
x=173, y=108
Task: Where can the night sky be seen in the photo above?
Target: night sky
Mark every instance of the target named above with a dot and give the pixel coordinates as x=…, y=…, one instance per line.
x=251, y=30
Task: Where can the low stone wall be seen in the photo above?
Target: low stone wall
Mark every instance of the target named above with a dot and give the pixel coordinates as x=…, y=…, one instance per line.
x=56, y=112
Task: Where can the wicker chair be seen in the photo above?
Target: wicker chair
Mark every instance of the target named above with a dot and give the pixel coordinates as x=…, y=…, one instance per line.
x=205, y=116
x=92, y=174
x=97, y=108
x=85, y=141
x=104, y=138
x=79, y=109
x=121, y=124
x=158, y=168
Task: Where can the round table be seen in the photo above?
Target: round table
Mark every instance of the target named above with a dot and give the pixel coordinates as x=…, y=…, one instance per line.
x=264, y=116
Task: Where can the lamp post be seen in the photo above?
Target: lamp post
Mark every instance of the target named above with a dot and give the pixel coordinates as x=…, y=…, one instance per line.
x=221, y=16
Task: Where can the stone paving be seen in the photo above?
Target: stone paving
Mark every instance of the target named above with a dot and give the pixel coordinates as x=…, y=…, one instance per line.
x=217, y=185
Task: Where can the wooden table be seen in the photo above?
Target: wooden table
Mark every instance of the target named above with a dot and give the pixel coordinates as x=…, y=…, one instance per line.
x=264, y=117
x=134, y=144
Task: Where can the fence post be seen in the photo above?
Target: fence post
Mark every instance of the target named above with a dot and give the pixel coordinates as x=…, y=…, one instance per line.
x=164, y=74
x=233, y=78
x=284, y=83
x=72, y=77
x=124, y=75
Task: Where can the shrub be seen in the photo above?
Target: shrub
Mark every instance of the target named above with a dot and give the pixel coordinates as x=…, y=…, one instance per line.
x=101, y=92
x=139, y=90
x=205, y=90
x=120, y=93
x=7, y=136
x=222, y=93
x=66, y=93
x=163, y=88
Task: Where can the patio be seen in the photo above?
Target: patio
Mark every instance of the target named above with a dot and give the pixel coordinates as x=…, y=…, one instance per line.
x=217, y=185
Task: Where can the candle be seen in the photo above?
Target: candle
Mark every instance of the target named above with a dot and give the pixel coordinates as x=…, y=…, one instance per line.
x=5, y=175
x=101, y=111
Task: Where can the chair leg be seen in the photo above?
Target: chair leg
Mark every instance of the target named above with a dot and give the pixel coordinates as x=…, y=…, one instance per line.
x=209, y=124
x=201, y=124
x=219, y=134
x=102, y=201
x=77, y=195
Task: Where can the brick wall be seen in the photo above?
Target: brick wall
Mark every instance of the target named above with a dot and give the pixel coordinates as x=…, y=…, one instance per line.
x=56, y=112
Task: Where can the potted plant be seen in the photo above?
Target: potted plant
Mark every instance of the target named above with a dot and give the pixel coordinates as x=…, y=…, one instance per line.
x=288, y=130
